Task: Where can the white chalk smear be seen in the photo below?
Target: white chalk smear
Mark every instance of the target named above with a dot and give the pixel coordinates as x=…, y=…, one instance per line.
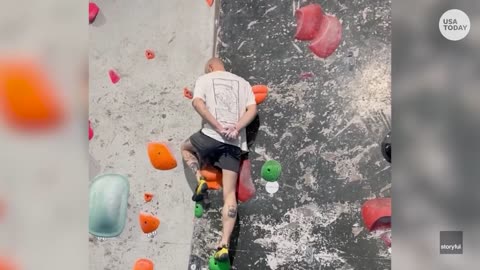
x=303, y=221
x=269, y=10
x=296, y=47
x=241, y=44
x=223, y=43
x=251, y=24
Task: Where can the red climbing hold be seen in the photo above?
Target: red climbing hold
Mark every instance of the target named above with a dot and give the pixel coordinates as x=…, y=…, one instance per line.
x=245, y=186
x=209, y=2
x=187, y=93
x=90, y=131
x=148, y=197
x=114, y=77
x=376, y=213
x=328, y=37
x=309, y=19
x=92, y=11
x=149, y=54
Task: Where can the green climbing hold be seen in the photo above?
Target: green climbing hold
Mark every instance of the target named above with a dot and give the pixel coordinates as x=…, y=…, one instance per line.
x=108, y=203
x=271, y=170
x=198, y=210
x=217, y=265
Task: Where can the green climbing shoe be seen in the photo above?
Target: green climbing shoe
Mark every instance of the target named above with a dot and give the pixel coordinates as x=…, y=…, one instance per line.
x=200, y=190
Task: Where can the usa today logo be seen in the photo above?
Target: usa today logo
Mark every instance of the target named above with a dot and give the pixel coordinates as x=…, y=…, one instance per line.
x=454, y=24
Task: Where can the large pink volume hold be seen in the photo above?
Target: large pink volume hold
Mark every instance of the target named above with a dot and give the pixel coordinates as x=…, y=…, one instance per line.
x=309, y=20
x=328, y=37
x=245, y=187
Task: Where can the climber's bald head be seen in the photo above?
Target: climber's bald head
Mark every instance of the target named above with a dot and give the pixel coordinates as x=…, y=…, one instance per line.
x=214, y=64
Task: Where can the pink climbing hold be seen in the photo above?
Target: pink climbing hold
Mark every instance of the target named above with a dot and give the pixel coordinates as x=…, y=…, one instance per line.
x=328, y=37
x=92, y=11
x=306, y=75
x=309, y=20
x=90, y=131
x=114, y=77
x=387, y=238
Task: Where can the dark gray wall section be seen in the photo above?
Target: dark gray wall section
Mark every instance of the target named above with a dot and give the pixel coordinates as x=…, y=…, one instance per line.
x=324, y=128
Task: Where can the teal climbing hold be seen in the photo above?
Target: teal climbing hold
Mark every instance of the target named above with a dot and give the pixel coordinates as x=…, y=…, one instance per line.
x=198, y=210
x=217, y=265
x=271, y=170
x=108, y=202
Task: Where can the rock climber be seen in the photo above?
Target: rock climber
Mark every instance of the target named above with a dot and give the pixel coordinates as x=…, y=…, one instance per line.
x=227, y=105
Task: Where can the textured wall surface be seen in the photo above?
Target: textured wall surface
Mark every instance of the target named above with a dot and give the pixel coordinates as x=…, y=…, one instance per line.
x=147, y=104
x=323, y=121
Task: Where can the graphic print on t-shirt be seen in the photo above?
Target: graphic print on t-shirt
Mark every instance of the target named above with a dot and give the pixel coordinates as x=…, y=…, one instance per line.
x=226, y=94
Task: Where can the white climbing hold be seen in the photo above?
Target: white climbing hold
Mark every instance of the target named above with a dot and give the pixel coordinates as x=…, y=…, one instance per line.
x=272, y=187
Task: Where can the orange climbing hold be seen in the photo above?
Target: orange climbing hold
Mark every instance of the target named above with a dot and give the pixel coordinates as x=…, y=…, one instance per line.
x=27, y=97
x=213, y=176
x=7, y=264
x=209, y=2
x=187, y=93
x=143, y=264
x=149, y=223
x=161, y=157
x=149, y=54
x=261, y=92
x=148, y=197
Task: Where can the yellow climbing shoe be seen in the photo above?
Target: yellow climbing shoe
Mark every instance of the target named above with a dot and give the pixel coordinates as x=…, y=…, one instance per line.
x=200, y=190
x=222, y=254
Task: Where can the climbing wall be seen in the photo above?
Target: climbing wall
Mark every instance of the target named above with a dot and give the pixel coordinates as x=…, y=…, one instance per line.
x=323, y=120
x=142, y=55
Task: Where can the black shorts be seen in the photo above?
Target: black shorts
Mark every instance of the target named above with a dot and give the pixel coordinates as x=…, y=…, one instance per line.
x=215, y=153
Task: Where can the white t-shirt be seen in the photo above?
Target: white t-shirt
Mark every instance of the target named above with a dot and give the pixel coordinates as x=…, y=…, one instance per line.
x=227, y=97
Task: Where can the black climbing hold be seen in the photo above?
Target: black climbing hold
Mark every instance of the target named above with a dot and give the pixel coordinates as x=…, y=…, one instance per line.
x=387, y=147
